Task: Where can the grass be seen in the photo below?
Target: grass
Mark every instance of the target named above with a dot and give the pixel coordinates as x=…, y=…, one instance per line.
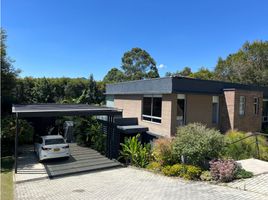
x=6, y=178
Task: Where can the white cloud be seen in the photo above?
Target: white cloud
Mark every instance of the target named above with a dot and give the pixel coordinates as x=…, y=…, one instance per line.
x=161, y=66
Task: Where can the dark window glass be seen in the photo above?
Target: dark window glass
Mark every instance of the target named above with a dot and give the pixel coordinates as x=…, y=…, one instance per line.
x=215, y=113
x=147, y=104
x=265, y=108
x=157, y=106
x=256, y=106
x=180, y=107
x=147, y=118
x=54, y=141
x=156, y=120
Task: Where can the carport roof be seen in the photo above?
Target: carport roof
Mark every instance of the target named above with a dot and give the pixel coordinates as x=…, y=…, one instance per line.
x=51, y=109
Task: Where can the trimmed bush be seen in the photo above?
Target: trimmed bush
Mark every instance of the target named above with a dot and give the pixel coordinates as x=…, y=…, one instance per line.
x=177, y=169
x=206, y=176
x=188, y=172
x=154, y=166
x=166, y=170
x=246, y=148
x=198, y=144
x=223, y=170
x=163, y=151
x=192, y=172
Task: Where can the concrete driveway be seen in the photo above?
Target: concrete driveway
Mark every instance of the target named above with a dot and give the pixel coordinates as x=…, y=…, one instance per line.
x=127, y=183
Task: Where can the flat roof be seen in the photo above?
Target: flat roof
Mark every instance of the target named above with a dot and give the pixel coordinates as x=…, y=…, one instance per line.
x=53, y=109
x=168, y=85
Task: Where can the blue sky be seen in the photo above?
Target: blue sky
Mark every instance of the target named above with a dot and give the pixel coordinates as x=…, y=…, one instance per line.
x=74, y=38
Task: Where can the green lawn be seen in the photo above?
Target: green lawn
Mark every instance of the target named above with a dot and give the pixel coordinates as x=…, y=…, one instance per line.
x=6, y=178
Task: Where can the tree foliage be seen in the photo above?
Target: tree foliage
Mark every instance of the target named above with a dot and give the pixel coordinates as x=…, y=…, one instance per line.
x=202, y=73
x=138, y=64
x=114, y=76
x=8, y=76
x=249, y=65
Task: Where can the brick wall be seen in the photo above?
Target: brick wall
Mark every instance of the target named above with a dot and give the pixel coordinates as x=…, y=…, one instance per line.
x=199, y=109
x=132, y=107
x=230, y=118
x=249, y=121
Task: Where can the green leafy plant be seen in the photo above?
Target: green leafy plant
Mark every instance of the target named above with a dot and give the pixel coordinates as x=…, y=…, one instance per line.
x=88, y=132
x=177, y=169
x=163, y=151
x=8, y=132
x=246, y=148
x=154, y=166
x=206, y=176
x=198, y=144
x=242, y=173
x=192, y=172
x=166, y=170
x=134, y=153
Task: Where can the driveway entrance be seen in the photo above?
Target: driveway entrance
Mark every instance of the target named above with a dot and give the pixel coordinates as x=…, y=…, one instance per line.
x=82, y=159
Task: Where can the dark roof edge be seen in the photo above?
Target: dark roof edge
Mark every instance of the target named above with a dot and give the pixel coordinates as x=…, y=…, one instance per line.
x=126, y=82
x=217, y=81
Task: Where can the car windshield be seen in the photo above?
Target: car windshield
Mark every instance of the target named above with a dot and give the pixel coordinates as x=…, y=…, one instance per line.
x=54, y=141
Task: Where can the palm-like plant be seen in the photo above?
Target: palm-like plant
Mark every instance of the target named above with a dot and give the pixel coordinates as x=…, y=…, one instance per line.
x=134, y=153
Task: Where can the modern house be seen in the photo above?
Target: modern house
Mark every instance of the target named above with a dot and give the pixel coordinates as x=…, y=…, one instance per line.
x=163, y=104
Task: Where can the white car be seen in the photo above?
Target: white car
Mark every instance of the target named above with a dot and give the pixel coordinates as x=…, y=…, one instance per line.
x=51, y=146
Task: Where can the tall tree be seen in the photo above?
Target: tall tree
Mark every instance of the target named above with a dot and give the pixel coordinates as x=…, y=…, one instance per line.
x=114, y=76
x=138, y=64
x=8, y=76
x=249, y=65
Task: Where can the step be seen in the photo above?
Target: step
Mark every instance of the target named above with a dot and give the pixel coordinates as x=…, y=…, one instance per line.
x=85, y=169
x=78, y=163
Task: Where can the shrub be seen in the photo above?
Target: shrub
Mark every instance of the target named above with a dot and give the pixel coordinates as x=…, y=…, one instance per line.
x=177, y=169
x=223, y=170
x=88, y=132
x=163, y=151
x=8, y=132
x=166, y=170
x=242, y=173
x=245, y=148
x=198, y=144
x=206, y=176
x=192, y=172
x=188, y=172
x=154, y=166
x=135, y=153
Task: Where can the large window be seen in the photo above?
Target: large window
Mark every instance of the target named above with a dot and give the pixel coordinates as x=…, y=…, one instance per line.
x=215, y=109
x=256, y=105
x=152, y=108
x=242, y=105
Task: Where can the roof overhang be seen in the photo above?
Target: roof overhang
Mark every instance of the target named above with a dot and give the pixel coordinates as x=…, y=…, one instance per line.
x=54, y=110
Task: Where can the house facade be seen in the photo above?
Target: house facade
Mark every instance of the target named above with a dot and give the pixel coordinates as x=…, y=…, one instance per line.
x=164, y=104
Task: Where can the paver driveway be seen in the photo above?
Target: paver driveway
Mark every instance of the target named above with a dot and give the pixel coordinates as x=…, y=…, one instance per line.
x=126, y=183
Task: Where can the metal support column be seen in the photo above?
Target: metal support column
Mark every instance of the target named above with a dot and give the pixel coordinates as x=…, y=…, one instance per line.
x=16, y=143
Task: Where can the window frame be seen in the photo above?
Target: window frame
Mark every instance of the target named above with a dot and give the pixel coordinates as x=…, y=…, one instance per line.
x=151, y=118
x=256, y=105
x=216, y=100
x=242, y=106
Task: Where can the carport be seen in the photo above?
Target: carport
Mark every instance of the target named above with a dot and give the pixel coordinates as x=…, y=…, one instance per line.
x=57, y=110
